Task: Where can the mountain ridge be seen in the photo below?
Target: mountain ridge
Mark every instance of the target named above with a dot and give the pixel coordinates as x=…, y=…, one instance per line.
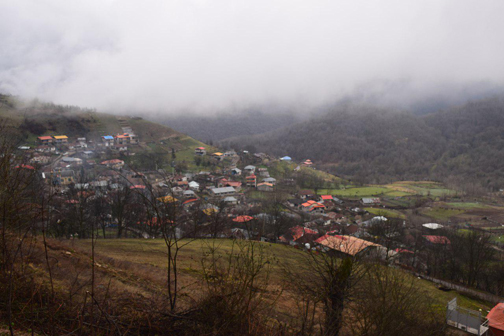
x=379, y=145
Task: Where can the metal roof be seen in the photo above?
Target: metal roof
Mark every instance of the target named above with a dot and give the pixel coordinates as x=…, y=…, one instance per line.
x=223, y=190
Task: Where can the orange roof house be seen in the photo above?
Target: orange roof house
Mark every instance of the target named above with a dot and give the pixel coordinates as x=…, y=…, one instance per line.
x=60, y=138
x=345, y=244
x=438, y=240
x=45, y=139
x=243, y=219
x=312, y=206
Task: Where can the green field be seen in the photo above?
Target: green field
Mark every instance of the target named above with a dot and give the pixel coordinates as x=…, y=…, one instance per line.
x=355, y=192
x=397, y=189
x=466, y=205
x=442, y=213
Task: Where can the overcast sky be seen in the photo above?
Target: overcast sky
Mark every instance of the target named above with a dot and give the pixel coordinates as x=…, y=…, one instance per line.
x=197, y=54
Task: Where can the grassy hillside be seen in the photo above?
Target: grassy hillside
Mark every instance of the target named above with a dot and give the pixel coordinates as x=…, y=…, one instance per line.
x=130, y=279
x=35, y=119
x=135, y=255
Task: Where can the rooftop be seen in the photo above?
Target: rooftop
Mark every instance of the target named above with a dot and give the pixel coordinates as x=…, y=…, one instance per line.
x=346, y=244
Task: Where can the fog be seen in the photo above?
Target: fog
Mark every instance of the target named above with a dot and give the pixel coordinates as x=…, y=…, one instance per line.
x=197, y=55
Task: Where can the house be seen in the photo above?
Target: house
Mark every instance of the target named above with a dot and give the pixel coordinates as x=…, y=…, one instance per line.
x=108, y=140
x=432, y=226
x=313, y=207
x=286, y=158
x=114, y=164
x=200, y=151
x=324, y=198
x=42, y=159
x=189, y=203
x=265, y=186
x=71, y=160
x=189, y=194
x=167, y=199
x=230, y=200
x=225, y=191
x=496, y=320
x=270, y=180
x=193, y=185
x=177, y=190
x=120, y=147
x=45, y=140
x=66, y=177
x=251, y=180
x=99, y=184
x=437, y=240
x=230, y=153
x=308, y=163
x=126, y=139
x=346, y=245
x=60, y=139
x=226, y=183
x=249, y=169
x=243, y=219
x=25, y=166
x=45, y=149
x=217, y=154
x=87, y=154
x=299, y=235
x=370, y=201
x=234, y=184
x=263, y=172
x=236, y=172
x=304, y=194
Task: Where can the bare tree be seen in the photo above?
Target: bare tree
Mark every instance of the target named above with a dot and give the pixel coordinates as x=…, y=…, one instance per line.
x=328, y=279
x=388, y=302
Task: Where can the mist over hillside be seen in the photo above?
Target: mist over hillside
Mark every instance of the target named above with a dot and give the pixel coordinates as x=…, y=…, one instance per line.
x=215, y=125
x=373, y=144
x=226, y=125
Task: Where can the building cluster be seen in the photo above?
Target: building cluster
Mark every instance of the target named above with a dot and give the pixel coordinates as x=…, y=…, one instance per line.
x=244, y=191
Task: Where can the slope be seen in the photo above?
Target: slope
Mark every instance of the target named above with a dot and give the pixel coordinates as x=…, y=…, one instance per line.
x=375, y=145
x=35, y=118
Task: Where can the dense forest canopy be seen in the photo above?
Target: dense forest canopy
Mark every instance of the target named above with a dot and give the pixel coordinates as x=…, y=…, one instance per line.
x=377, y=145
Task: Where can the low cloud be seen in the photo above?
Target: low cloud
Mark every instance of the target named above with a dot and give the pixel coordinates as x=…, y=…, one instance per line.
x=152, y=56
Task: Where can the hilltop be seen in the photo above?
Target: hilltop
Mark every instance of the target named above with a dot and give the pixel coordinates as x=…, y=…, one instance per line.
x=34, y=118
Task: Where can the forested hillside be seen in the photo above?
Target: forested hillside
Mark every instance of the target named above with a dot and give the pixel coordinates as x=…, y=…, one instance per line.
x=225, y=125
x=375, y=145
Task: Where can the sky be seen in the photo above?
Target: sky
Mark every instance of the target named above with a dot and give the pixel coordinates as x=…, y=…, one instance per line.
x=198, y=55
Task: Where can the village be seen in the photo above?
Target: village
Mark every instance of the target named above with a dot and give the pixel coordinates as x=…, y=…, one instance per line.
x=241, y=195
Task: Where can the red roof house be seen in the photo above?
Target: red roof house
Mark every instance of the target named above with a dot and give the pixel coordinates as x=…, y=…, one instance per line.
x=243, y=219
x=438, y=240
x=496, y=320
